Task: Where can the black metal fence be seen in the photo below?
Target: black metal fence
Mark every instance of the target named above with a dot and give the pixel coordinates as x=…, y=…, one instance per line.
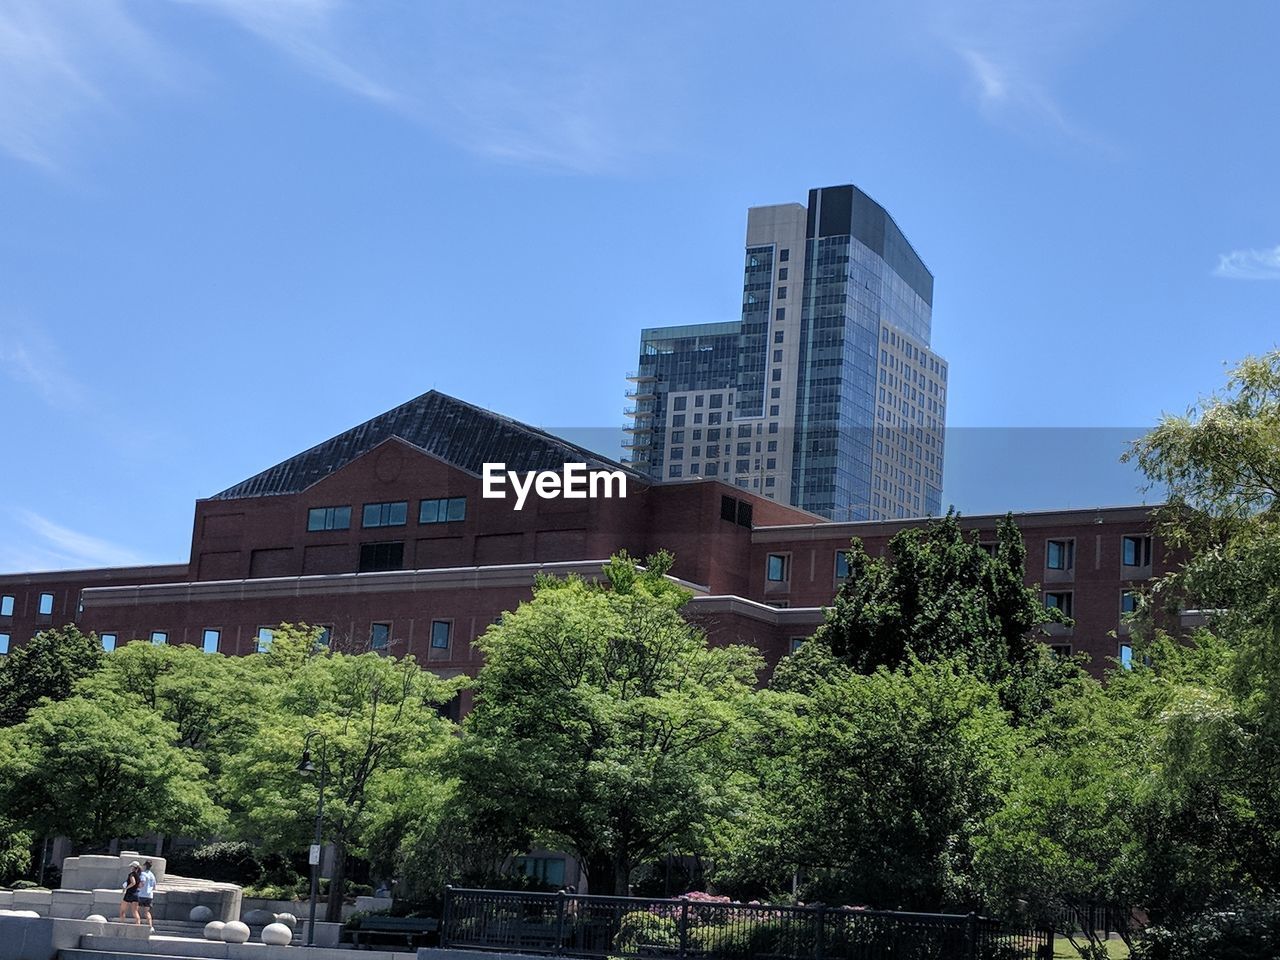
x=585, y=926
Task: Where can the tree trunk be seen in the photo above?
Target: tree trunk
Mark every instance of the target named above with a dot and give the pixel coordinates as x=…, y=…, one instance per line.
x=337, y=884
x=602, y=878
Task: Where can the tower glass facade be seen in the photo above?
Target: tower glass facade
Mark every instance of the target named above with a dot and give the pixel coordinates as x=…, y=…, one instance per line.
x=839, y=403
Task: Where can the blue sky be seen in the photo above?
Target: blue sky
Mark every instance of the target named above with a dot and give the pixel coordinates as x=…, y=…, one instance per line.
x=232, y=228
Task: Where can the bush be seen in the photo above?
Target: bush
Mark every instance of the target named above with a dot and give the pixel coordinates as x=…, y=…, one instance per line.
x=225, y=862
x=1244, y=932
x=24, y=885
x=640, y=931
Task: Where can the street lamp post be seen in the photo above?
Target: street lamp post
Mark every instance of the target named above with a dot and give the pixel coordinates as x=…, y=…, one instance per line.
x=307, y=767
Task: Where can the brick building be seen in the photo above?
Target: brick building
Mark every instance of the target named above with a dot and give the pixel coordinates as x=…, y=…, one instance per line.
x=381, y=535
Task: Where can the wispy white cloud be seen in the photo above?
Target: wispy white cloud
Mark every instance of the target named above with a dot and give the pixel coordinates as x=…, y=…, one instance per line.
x=1249, y=265
x=51, y=546
x=28, y=357
x=1011, y=51
x=563, y=84
x=59, y=62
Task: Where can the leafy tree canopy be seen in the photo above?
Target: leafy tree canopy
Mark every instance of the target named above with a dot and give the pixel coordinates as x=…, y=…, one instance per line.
x=604, y=723
x=48, y=666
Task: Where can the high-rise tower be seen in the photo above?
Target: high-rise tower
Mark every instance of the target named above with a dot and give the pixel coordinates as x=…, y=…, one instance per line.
x=832, y=398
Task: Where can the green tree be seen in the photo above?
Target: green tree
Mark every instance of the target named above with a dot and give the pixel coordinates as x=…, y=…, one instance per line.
x=375, y=717
x=604, y=724
x=94, y=770
x=1213, y=807
x=48, y=666
x=213, y=702
x=939, y=595
x=875, y=787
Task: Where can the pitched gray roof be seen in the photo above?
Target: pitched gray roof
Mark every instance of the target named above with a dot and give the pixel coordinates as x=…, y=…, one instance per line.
x=460, y=434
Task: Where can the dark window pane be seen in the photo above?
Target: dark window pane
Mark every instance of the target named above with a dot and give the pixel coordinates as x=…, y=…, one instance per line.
x=440, y=631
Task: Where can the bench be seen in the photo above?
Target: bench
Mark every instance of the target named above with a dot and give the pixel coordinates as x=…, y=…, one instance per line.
x=396, y=930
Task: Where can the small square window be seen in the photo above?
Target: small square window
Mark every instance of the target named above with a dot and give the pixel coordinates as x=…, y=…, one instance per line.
x=777, y=336
x=6, y=606
x=159, y=637
x=108, y=641
x=262, y=642
x=678, y=420
x=782, y=293
x=45, y=609
x=774, y=410
x=797, y=643
x=675, y=470
x=1136, y=551
x=441, y=631
x=776, y=567
x=211, y=641
x=698, y=400
x=379, y=636
x=842, y=564
x=1060, y=554
x=780, y=315
x=782, y=273
x=784, y=255
x=1059, y=600
x=680, y=403
x=1128, y=601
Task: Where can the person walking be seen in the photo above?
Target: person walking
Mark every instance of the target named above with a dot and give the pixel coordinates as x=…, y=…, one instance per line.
x=146, y=891
x=129, y=902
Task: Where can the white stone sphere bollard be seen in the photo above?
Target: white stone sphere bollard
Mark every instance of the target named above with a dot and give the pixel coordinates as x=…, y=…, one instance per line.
x=200, y=914
x=96, y=918
x=213, y=930
x=235, y=932
x=277, y=935
x=288, y=919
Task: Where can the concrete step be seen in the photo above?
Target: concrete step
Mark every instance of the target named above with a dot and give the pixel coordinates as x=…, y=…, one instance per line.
x=159, y=947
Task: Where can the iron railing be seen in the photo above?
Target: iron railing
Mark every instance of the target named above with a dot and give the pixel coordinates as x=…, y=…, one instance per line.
x=562, y=924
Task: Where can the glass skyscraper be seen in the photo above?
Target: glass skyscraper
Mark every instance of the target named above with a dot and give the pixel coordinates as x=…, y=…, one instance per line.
x=833, y=399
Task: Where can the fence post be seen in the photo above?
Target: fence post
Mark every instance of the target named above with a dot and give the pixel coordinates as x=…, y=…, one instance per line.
x=971, y=936
x=820, y=933
x=445, y=915
x=684, y=927
x=560, y=904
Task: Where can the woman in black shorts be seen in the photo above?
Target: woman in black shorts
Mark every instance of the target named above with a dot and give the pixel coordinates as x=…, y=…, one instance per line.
x=130, y=899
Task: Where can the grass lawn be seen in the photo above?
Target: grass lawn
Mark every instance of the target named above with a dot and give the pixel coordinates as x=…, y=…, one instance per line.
x=1062, y=949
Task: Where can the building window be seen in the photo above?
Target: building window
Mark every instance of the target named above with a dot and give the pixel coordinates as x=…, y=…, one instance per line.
x=442, y=511
x=1136, y=551
x=379, y=635
x=159, y=637
x=546, y=870
x=1059, y=600
x=711, y=469
x=728, y=508
x=386, y=514
x=1061, y=649
x=773, y=428
x=1128, y=601
x=677, y=420
x=797, y=643
x=108, y=641
x=782, y=293
x=776, y=567
x=842, y=564
x=211, y=640
x=776, y=374
x=45, y=609
x=1126, y=656
x=1060, y=554
x=329, y=518
x=326, y=636
x=698, y=400
x=784, y=255
x=375, y=557
x=782, y=273
x=777, y=336
x=677, y=453
x=744, y=514
x=680, y=403
x=6, y=606
x=441, y=632
x=4, y=644
x=675, y=470
x=262, y=642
